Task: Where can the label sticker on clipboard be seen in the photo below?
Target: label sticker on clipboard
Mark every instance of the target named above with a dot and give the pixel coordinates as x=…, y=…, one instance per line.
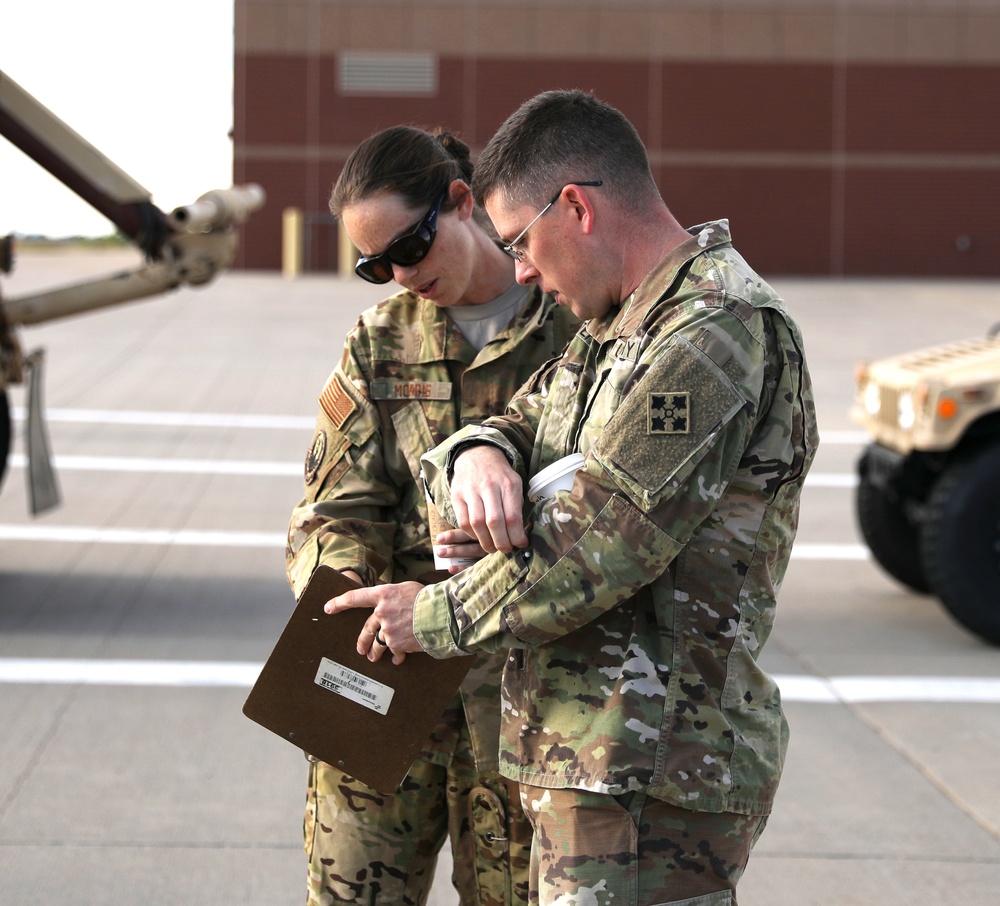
x=354, y=686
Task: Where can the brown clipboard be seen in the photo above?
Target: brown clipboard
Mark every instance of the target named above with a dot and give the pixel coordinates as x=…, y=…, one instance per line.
x=370, y=720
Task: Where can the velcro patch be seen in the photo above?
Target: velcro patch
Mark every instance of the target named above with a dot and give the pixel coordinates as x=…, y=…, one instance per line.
x=645, y=463
x=668, y=412
x=337, y=402
x=384, y=389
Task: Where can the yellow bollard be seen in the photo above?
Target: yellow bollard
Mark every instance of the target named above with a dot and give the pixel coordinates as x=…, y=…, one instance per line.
x=291, y=242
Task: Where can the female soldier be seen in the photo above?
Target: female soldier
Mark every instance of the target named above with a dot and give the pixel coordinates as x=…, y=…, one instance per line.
x=450, y=349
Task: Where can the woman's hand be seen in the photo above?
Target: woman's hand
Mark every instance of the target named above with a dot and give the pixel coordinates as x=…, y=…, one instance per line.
x=458, y=545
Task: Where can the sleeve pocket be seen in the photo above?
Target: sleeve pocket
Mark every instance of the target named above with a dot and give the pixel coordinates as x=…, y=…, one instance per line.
x=666, y=422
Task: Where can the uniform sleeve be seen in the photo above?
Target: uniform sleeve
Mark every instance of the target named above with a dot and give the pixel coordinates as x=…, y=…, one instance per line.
x=344, y=518
x=662, y=461
x=513, y=433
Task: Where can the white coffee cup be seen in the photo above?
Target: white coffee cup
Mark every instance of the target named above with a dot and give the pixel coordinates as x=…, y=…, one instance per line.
x=556, y=477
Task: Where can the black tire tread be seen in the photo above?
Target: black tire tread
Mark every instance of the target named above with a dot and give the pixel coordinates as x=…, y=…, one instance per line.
x=892, y=537
x=5, y=434
x=969, y=588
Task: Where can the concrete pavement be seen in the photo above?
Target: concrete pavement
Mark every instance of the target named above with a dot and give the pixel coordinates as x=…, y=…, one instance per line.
x=127, y=771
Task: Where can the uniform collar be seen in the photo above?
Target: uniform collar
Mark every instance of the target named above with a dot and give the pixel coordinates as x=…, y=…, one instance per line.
x=663, y=280
x=445, y=341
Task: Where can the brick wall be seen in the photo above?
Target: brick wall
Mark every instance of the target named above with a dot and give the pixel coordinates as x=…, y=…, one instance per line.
x=855, y=137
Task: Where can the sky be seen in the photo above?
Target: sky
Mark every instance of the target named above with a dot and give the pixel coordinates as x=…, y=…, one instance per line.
x=149, y=84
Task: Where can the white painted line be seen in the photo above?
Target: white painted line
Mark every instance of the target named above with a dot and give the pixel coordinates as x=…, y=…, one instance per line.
x=813, y=689
x=89, y=534
x=159, y=464
x=148, y=464
x=831, y=480
x=243, y=674
x=84, y=534
x=129, y=673
x=173, y=419
x=281, y=422
x=917, y=689
x=861, y=689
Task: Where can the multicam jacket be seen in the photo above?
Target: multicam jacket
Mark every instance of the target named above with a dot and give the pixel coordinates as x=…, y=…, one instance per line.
x=641, y=604
x=407, y=380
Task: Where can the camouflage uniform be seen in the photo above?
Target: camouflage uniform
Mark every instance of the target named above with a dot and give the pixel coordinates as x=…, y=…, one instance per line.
x=639, y=849
x=407, y=380
x=641, y=604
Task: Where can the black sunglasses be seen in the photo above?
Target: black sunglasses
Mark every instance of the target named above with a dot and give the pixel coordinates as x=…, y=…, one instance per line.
x=404, y=251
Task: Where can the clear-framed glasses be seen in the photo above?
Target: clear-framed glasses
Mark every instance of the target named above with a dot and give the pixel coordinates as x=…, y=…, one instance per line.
x=407, y=250
x=518, y=253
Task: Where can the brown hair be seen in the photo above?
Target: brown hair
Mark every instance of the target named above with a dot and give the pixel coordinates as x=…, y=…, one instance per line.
x=559, y=137
x=405, y=160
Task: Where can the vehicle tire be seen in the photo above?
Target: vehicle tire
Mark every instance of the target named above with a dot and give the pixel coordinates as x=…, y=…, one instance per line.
x=890, y=533
x=961, y=542
x=5, y=434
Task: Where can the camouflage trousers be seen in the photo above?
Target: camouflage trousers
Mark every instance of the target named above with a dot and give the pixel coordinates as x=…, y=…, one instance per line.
x=633, y=850
x=368, y=848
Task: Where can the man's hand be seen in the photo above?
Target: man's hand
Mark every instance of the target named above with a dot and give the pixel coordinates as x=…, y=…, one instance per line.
x=390, y=626
x=487, y=496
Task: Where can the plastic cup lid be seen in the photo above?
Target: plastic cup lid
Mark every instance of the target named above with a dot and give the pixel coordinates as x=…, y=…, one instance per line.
x=557, y=469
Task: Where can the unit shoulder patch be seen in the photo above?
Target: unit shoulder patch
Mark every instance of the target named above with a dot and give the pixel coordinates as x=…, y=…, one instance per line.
x=315, y=456
x=668, y=412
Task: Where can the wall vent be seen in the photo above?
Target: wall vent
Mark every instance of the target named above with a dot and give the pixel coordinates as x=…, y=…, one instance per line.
x=388, y=73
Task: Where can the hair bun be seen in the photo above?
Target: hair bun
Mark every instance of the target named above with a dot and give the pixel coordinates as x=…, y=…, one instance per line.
x=458, y=151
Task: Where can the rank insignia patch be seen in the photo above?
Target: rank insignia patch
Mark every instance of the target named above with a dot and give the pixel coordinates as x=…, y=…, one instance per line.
x=668, y=413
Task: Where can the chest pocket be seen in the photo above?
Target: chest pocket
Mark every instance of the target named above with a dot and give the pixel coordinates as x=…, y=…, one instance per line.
x=412, y=423
x=617, y=372
x=623, y=361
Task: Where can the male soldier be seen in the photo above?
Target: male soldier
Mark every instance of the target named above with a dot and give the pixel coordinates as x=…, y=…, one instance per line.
x=646, y=739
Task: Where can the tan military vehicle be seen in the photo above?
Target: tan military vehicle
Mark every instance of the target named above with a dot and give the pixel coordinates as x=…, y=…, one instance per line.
x=928, y=498
x=189, y=246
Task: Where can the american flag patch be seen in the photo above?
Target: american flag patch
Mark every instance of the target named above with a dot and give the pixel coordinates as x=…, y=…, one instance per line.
x=668, y=412
x=336, y=402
